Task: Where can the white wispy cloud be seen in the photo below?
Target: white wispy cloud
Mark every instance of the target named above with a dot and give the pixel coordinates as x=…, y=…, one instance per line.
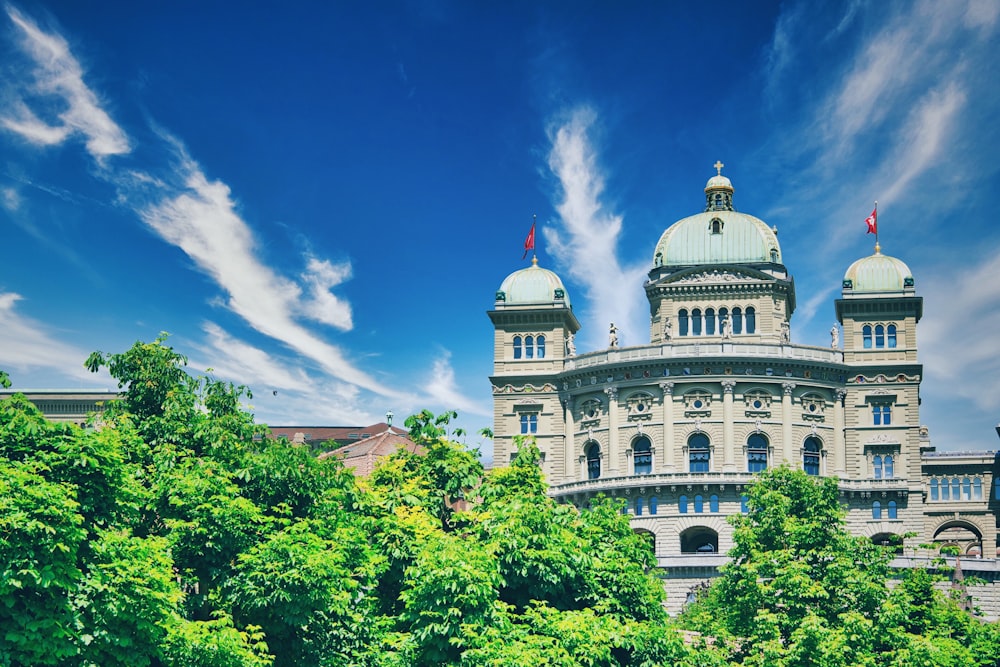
x=281, y=386
x=442, y=388
x=196, y=214
x=30, y=346
x=58, y=91
x=957, y=343
x=584, y=240
x=10, y=199
x=322, y=305
x=201, y=219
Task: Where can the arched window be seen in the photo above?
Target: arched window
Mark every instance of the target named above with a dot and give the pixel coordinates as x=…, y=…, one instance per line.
x=891, y=332
x=540, y=347
x=638, y=506
x=877, y=467
x=696, y=322
x=682, y=322
x=713, y=503
x=945, y=493
x=737, y=321
x=710, y=322
x=652, y=505
x=699, y=505
x=977, y=489
x=529, y=347
x=892, y=509
x=744, y=504
x=934, y=489
x=866, y=336
x=723, y=313
x=966, y=489
x=810, y=455
x=756, y=453
x=887, y=464
x=517, y=347
x=699, y=454
x=876, y=510
x=593, y=453
x=879, y=336
x=955, y=485
x=642, y=456
x=682, y=504
x=751, y=320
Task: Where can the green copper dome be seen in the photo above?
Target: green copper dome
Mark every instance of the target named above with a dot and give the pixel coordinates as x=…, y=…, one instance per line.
x=878, y=273
x=718, y=235
x=533, y=285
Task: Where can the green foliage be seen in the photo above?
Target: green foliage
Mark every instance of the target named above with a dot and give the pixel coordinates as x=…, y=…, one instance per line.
x=800, y=590
x=178, y=534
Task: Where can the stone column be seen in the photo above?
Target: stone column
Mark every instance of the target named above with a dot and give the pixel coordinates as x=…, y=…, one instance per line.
x=668, y=465
x=613, y=469
x=839, y=441
x=728, y=436
x=569, y=446
x=786, y=423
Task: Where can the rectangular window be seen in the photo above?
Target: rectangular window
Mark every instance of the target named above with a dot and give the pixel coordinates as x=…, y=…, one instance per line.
x=698, y=460
x=529, y=423
x=881, y=415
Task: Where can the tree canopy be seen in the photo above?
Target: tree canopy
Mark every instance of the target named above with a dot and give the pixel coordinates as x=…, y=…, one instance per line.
x=177, y=532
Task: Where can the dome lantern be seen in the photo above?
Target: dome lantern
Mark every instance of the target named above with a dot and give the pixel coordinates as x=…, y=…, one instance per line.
x=719, y=191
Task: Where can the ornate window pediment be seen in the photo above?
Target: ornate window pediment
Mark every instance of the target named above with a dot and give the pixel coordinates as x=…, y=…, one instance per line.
x=591, y=412
x=640, y=406
x=813, y=408
x=758, y=403
x=697, y=403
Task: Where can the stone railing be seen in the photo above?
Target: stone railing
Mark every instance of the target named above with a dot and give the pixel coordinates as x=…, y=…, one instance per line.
x=717, y=349
x=621, y=483
x=608, y=484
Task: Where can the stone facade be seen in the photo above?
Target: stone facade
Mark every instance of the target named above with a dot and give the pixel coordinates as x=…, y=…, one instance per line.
x=677, y=427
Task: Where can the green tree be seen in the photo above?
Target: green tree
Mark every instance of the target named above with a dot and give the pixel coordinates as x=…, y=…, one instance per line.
x=800, y=590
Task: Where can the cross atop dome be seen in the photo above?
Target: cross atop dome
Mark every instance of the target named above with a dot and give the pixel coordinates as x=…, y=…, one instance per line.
x=718, y=167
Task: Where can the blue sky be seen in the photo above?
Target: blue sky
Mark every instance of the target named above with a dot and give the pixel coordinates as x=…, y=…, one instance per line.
x=319, y=200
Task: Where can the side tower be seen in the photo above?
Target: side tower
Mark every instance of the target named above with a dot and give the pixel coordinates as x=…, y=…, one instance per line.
x=534, y=326
x=879, y=310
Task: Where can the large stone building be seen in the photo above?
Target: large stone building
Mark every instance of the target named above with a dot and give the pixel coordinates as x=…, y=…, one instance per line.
x=679, y=426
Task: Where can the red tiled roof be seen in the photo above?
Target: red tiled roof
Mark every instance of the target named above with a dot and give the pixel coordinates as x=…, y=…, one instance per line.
x=341, y=434
x=361, y=456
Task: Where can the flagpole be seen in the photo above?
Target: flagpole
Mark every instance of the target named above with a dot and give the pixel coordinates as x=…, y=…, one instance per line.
x=878, y=248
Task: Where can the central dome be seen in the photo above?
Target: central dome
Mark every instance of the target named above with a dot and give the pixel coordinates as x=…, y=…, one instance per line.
x=718, y=235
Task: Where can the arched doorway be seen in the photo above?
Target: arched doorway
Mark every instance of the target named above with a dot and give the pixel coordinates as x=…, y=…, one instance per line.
x=959, y=534
x=699, y=540
x=890, y=541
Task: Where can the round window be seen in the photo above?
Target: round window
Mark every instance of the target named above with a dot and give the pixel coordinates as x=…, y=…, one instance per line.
x=812, y=407
x=757, y=404
x=640, y=407
x=697, y=403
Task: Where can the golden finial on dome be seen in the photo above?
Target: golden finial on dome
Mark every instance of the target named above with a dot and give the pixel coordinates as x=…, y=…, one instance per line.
x=534, y=260
x=878, y=248
x=718, y=167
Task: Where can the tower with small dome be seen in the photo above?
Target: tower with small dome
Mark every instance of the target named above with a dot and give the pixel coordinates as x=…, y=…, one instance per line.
x=676, y=428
